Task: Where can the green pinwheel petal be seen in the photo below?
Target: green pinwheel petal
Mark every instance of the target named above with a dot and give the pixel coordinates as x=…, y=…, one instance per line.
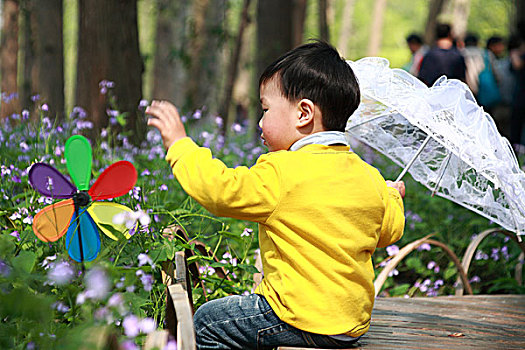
x=78, y=160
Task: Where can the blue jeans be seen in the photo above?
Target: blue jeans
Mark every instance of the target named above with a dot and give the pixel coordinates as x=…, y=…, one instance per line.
x=248, y=322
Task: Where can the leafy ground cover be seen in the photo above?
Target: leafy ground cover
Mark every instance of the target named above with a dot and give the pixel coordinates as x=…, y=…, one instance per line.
x=48, y=302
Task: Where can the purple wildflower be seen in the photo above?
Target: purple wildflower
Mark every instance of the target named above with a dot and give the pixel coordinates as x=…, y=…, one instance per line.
x=480, y=255
x=505, y=252
x=143, y=103
x=394, y=272
x=129, y=345
x=392, y=250
x=144, y=259
x=60, y=307
x=433, y=266
x=97, y=284
x=495, y=254
x=131, y=325
x=16, y=235
x=171, y=345
x=60, y=273
x=247, y=232
x=5, y=270
x=424, y=246
x=475, y=279
x=146, y=279
x=116, y=300
x=147, y=325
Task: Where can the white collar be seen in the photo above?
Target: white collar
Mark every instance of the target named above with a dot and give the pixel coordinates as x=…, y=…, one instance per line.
x=326, y=138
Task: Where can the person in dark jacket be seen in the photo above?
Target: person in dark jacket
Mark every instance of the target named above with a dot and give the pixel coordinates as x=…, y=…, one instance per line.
x=442, y=59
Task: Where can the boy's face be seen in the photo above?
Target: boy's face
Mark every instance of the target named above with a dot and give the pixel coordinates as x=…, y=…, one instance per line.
x=278, y=122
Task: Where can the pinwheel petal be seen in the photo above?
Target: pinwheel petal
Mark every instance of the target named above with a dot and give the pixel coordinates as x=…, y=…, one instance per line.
x=52, y=222
x=78, y=160
x=50, y=182
x=117, y=180
x=103, y=213
x=86, y=228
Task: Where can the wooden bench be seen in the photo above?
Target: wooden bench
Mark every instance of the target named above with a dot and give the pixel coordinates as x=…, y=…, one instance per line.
x=445, y=322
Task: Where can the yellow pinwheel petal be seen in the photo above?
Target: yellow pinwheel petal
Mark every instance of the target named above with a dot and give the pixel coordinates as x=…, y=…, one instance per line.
x=103, y=213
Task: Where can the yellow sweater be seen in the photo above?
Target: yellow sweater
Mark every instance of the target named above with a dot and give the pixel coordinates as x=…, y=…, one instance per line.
x=322, y=212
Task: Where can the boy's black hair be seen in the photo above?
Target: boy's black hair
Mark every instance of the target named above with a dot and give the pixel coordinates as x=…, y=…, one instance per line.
x=317, y=72
x=494, y=40
x=414, y=38
x=471, y=39
x=443, y=30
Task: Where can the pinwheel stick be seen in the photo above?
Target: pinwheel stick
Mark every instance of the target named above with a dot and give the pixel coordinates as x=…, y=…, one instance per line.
x=79, y=238
x=80, y=199
x=413, y=158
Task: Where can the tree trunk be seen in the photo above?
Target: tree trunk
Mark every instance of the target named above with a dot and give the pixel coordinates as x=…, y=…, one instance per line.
x=169, y=55
x=9, y=103
x=519, y=18
x=205, y=55
x=274, y=35
x=434, y=9
x=346, y=30
x=233, y=68
x=298, y=17
x=376, y=30
x=460, y=14
x=108, y=49
x=27, y=45
x=274, y=31
x=323, y=22
x=49, y=54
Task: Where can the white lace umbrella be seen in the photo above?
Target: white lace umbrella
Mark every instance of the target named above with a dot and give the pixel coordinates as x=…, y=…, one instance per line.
x=442, y=137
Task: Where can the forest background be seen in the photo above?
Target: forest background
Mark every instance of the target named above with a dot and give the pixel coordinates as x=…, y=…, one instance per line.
x=90, y=66
x=201, y=54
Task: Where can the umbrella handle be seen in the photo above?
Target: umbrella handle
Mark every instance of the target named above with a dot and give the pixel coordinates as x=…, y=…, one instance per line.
x=413, y=158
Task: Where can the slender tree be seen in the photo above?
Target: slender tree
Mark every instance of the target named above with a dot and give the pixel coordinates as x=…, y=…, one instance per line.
x=434, y=9
x=108, y=49
x=346, y=30
x=460, y=14
x=298, y=17
x=376, y=29
x=9, y=102
x=233, y=68
x=274, y=34
x=48, y=44
x=169, y=71
x=274, y=30
x=519, y=17
x=324, y=34
x=206, y=43
x=26, y=43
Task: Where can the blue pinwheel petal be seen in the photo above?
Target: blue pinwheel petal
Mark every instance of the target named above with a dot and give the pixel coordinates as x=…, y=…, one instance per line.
x=87, y=229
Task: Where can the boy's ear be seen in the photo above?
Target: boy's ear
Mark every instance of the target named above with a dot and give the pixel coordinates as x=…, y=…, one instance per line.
x=306, y=109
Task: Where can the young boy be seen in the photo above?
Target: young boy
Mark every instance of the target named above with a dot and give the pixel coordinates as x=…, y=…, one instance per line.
x=321, y=210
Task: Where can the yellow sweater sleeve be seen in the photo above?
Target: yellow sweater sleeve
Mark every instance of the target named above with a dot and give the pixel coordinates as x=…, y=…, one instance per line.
x=393, y=220
x=241, y=193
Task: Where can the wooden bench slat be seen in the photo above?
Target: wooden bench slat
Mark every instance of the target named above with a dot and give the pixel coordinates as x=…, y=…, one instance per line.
x=486, y=322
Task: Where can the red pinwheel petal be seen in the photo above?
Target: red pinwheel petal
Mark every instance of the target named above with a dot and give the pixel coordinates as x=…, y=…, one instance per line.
x=117, y=180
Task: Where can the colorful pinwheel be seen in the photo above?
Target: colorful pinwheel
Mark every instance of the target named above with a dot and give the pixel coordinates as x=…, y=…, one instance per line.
x=81, y=210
